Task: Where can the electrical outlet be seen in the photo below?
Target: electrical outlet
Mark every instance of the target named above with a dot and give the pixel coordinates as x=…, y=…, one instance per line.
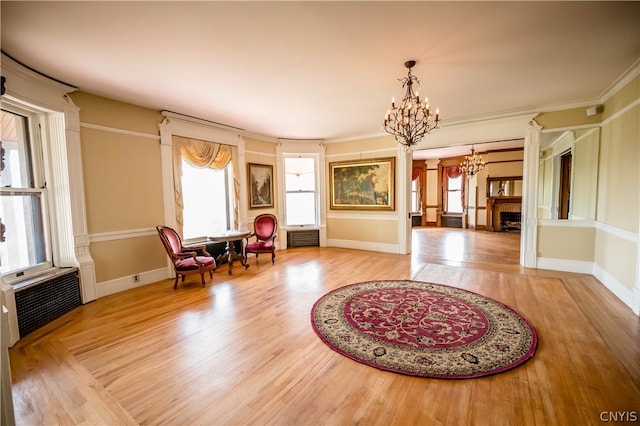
x=136, y=278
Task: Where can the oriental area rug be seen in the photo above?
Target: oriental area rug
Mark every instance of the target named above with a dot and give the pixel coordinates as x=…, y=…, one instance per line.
x=423, y=329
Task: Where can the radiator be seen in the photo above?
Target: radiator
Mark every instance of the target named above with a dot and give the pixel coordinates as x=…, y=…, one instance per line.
x=41, y=301
x=452, y=221
x=306, y=238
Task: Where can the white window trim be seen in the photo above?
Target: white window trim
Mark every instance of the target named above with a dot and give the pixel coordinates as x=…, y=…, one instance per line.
x=190, y=127
x=69, y=235
x=316, y=167
x=306, y=149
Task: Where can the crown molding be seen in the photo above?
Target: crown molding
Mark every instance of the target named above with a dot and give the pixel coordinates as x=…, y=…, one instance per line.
x=632, y=72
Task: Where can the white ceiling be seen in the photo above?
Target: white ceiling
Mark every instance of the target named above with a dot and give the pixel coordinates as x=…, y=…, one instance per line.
x=327, y=70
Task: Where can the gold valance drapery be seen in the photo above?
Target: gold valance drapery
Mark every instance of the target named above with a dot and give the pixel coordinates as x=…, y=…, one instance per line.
x=200, y=153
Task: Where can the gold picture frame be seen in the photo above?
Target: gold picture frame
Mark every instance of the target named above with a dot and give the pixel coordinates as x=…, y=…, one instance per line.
x=363, y=184
x=260, y=179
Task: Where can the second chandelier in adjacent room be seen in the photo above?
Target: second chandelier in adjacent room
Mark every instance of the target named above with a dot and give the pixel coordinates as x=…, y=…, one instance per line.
x=472, y=163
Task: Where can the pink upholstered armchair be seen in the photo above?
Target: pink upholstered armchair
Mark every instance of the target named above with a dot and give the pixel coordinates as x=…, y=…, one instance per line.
x=185, y=260
x=265, y=227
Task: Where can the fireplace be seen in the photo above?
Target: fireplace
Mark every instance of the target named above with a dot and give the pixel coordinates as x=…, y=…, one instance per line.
x=510, y=221
x=501, y=209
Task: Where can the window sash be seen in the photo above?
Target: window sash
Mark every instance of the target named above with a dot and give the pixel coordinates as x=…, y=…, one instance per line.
x=454, y=195
x=300, y=182
x=301, y=216
x=204, y=216
x=23, y=197
x=415, y=196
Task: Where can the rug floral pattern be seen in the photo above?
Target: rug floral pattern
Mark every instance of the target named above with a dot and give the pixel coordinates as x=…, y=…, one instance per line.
x=423, y=329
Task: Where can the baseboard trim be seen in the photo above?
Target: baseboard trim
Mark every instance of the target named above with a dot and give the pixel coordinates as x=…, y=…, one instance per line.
x=364, y=245
x=564, y=265
x=631, y=298
x=117, y=285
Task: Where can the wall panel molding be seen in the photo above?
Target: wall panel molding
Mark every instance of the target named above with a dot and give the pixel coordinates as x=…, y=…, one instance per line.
x=122, y=235
x=392, y=218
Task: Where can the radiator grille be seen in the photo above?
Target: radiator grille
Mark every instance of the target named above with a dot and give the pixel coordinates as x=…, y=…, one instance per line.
x=307, y=238
x=44, y=301
x=452, y=221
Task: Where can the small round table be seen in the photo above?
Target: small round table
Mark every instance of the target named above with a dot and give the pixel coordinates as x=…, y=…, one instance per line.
x=230, y=253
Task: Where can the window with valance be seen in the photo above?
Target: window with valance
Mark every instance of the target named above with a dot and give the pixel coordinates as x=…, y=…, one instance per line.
x=453, y=189
x=206, y=187
x=416, y=179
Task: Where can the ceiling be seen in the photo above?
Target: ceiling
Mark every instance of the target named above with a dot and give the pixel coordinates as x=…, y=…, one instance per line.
x=327, y=70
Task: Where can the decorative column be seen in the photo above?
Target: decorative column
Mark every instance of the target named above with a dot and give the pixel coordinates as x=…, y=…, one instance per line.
x=71, y=190
x=529, y=220
x=403, y=199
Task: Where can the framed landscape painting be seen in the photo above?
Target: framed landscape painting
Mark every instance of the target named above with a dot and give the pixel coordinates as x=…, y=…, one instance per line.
x=260, y=185
x=363, y=184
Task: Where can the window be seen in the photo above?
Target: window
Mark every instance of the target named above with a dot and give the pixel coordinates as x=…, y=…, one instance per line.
x=205, y=209
x=415, y=195
x=300, y=189
x=23, y=204
x=454, y=194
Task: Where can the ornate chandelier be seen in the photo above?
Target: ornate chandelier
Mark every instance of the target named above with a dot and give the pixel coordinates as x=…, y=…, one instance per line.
x=412, y=119
x=472, y=164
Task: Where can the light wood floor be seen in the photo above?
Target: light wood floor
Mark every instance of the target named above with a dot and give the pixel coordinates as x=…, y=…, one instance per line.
x=242, y=351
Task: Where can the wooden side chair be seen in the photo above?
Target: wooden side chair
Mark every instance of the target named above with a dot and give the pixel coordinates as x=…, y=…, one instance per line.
x=265, y=228
x=185, y=260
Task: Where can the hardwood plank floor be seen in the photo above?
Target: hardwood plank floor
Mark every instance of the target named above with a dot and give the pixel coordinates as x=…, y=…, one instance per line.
x=242, y=350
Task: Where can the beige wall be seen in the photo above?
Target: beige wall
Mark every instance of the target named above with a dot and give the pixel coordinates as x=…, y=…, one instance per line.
x=121, y=176
x=383, y=146
x=259, y=151
x=567, y=118
x=569, y=243
x=614, y=233
x=505, y=163
x=617, y=256
x=585, y=174
x=618, y=187
x=618, y=174
x=107, y=112
x=362, y=229
x=353, y=225
x=120, y=146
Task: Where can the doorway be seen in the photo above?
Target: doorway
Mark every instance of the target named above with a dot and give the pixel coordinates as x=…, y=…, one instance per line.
x=564, y=193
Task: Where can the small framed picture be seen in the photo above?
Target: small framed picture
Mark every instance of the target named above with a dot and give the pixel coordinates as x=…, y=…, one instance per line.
x=260, y=185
